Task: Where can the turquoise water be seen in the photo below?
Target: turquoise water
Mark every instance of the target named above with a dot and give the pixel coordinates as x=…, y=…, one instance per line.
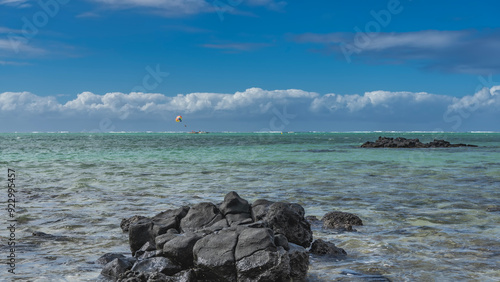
x=424, y=210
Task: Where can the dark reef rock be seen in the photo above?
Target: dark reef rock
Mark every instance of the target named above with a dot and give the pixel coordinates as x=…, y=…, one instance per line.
x=341, y=220
x=493, y=209
x=116, y=267
x=214, y=255
x=232, y=241
x=125, y=224
x=106, y=258
x=200, y=216
x=400, y=142
x=234, y=204
x=156, y=265
x=140, y=233
x=320, y=247
x=180, y=248
x=259, y=209
x=299, y=262
x=288, y=219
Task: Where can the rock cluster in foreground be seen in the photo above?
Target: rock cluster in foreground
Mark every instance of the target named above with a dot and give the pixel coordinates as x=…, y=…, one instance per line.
x=231, y=241
x=400, y=142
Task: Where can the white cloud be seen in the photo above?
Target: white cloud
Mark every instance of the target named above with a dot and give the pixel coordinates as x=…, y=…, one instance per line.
x=254, y=104
x=270, y=4
x=461, y=51
x=176, y=8
x=483, y=99
x=237, y=46
x=16, y=3
x=164, y=7
x=17, y=46
x=27, y=103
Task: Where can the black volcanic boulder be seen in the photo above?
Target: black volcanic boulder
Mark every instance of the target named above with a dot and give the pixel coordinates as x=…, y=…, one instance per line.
x=259, y=259
x=259, y=209
x=320, y=247
x=233, y=204
x=341, y=220
x=264, y=265
x=116, y=267
x=200, y=216
x=169, y=219
x=251, y=240
x=180, y=248
x=235, y=209
x=156, y=265
x=144, y=230
x=400, y=142
x=214, y=256
x=288, y=219
x=299, y=262
x=140, y=233
x=125, y=224
x=232, y=241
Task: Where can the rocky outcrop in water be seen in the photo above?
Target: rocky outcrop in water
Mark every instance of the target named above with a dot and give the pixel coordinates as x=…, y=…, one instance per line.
x=230, y=241
x=400, y=142
x=341, y=221
x=321, y=247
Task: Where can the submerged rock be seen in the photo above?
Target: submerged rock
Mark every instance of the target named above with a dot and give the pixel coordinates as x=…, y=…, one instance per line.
x=320, y=247
x=341, y=220
x=493, y=209
x=400, y=142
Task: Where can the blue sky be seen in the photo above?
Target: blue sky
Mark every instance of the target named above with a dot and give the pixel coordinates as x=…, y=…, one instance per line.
x=249, y=65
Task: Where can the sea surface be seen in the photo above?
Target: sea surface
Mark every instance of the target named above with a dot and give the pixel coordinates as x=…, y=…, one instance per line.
x=425, y=211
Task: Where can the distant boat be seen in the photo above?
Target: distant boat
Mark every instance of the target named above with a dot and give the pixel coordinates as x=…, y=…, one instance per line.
x=199, y=132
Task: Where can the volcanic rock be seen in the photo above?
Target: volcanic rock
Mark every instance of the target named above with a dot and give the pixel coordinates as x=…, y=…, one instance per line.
x=400, y=142
x=232, y=241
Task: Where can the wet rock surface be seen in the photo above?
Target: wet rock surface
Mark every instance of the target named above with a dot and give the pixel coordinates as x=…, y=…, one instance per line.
x=400, y=142
x=321, y=247
x=341, y=221
x=231, y=241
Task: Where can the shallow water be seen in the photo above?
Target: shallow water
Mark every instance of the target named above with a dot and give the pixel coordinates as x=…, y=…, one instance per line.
x=424, y=210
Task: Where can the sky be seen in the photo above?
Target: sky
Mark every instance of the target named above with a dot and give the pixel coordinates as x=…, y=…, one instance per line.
x=249, y=65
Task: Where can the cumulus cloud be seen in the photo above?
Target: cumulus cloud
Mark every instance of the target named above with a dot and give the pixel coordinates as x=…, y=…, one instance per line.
x=462, y=51
x=483, y=99
x=377, y=107
x=27, y=103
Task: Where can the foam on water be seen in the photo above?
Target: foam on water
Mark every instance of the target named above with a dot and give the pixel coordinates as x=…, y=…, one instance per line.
x=424, y=210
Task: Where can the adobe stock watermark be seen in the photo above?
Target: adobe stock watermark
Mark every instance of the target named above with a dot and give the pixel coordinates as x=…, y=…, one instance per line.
x=32, y=25
x=456, y=116
x=224, y=6
x=280, y=120
x=363, y=38
x=149, y=82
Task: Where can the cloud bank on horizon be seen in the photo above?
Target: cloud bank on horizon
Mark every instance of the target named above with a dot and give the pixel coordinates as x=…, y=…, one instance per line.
x=261, y=109
x=78, y=65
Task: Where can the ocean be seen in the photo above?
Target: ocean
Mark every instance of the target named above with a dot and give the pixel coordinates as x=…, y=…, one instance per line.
x=425, y=211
